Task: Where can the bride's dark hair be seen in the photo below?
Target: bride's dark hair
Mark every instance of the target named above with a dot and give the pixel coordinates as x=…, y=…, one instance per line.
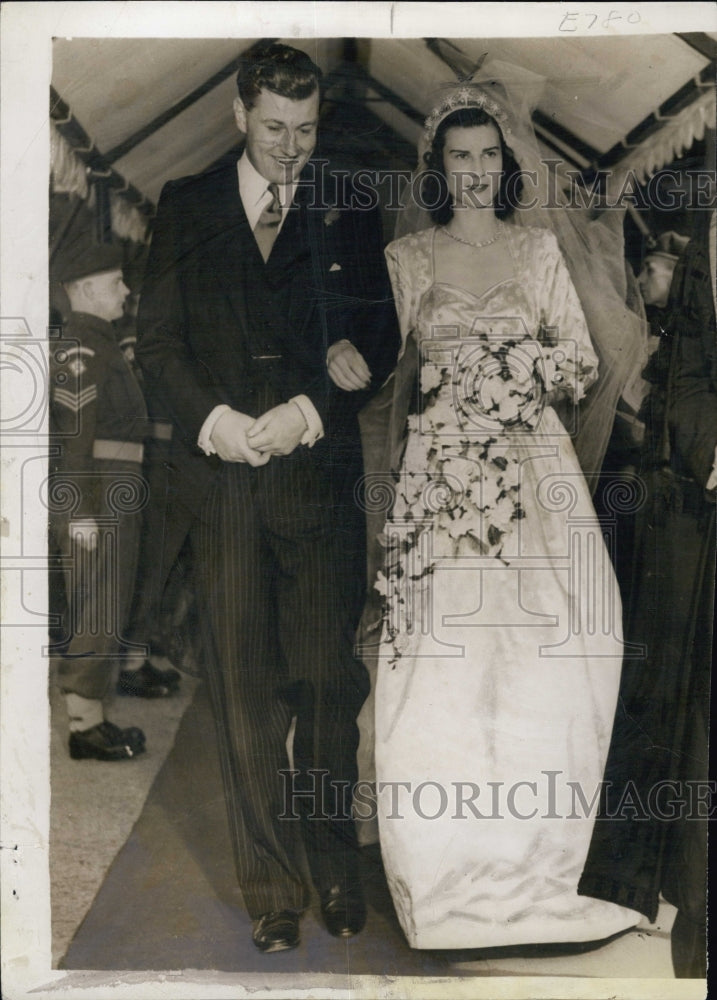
x=435, y=196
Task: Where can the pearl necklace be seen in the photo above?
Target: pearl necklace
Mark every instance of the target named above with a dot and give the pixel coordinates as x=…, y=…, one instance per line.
x=470, y=243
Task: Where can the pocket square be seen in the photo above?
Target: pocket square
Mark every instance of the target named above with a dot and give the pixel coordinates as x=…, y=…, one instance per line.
x=335, y=267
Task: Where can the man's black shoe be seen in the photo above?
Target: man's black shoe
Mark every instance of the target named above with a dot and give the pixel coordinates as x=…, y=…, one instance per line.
x=344, y=912
x=148, y=682
x=276, y=931
x=106, y=742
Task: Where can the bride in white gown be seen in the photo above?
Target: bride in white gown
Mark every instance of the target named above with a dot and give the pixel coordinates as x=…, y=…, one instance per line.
x=500, y=657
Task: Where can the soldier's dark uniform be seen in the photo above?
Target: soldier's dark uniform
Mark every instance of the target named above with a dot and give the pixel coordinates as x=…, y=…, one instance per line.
x=98, y=421
x=660, y=737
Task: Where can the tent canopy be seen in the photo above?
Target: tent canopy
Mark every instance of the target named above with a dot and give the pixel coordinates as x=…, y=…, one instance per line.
x=142, y=111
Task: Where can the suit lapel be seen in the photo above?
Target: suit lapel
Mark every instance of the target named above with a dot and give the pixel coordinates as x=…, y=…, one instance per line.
x=230, y=240
x=292, y=262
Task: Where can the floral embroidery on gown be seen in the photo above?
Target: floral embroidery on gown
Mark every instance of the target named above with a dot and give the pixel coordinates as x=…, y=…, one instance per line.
x=500, y=658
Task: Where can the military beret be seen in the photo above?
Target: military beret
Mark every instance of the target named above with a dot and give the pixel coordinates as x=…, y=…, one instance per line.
x=82, y=261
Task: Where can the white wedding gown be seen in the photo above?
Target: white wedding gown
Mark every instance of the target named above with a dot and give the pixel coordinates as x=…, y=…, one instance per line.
x=499, y=666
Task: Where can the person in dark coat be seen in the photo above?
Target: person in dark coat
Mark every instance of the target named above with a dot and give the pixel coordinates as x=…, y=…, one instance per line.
x=158, y=618
x=651, y=835
x=647, y=296
x=264, y=291
x=96, y=492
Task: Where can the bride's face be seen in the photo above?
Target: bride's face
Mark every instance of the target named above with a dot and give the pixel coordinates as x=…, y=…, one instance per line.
x=473, y=164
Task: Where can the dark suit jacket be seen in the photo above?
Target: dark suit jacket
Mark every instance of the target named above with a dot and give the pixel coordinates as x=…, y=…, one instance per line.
x=195, y=344
x=693, y=411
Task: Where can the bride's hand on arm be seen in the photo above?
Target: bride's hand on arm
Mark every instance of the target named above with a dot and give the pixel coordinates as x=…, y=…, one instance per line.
x=566, y=381
x=346, y=366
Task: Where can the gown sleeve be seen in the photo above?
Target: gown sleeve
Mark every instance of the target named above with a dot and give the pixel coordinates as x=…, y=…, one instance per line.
x=570, y=359
x=403, y=379
x=395, y=261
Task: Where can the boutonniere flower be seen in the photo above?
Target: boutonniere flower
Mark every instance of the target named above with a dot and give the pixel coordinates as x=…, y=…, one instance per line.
x=331, y=216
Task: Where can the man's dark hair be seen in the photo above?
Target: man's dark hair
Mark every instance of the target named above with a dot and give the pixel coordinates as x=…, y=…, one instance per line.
x=434, y=189
x=279, y=68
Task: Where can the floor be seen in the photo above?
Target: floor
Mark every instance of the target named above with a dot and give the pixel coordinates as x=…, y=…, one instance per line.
x=95, y=805
x=95, y=808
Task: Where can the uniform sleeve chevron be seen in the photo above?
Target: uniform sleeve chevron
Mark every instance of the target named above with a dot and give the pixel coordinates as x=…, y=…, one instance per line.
x=75, y=401
x=72, y=351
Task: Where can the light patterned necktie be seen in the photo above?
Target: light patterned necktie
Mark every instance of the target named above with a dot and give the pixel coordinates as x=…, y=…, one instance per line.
x=267, y=228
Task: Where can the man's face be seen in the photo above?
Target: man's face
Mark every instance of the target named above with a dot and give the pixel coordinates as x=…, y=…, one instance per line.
x=655, y=279
x=280, y=134
x=107, y=292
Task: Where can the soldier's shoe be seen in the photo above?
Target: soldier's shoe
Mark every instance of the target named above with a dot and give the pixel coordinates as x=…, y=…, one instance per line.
x=107, y=742
x=148, y=682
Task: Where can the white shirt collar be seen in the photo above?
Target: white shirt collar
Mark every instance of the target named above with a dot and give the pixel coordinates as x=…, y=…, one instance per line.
x=253, y=191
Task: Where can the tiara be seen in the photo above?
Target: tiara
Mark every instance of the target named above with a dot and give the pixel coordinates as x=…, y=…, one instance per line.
x=465, y=97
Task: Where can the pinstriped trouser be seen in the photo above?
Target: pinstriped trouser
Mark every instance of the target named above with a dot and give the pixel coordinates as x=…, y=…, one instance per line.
x=273, y=589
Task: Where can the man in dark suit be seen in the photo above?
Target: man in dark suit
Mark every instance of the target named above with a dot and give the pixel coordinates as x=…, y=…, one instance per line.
x=265, y=323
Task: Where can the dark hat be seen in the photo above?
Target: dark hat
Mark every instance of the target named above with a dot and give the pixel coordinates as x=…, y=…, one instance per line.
x=670, y=245
x=81, y=261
